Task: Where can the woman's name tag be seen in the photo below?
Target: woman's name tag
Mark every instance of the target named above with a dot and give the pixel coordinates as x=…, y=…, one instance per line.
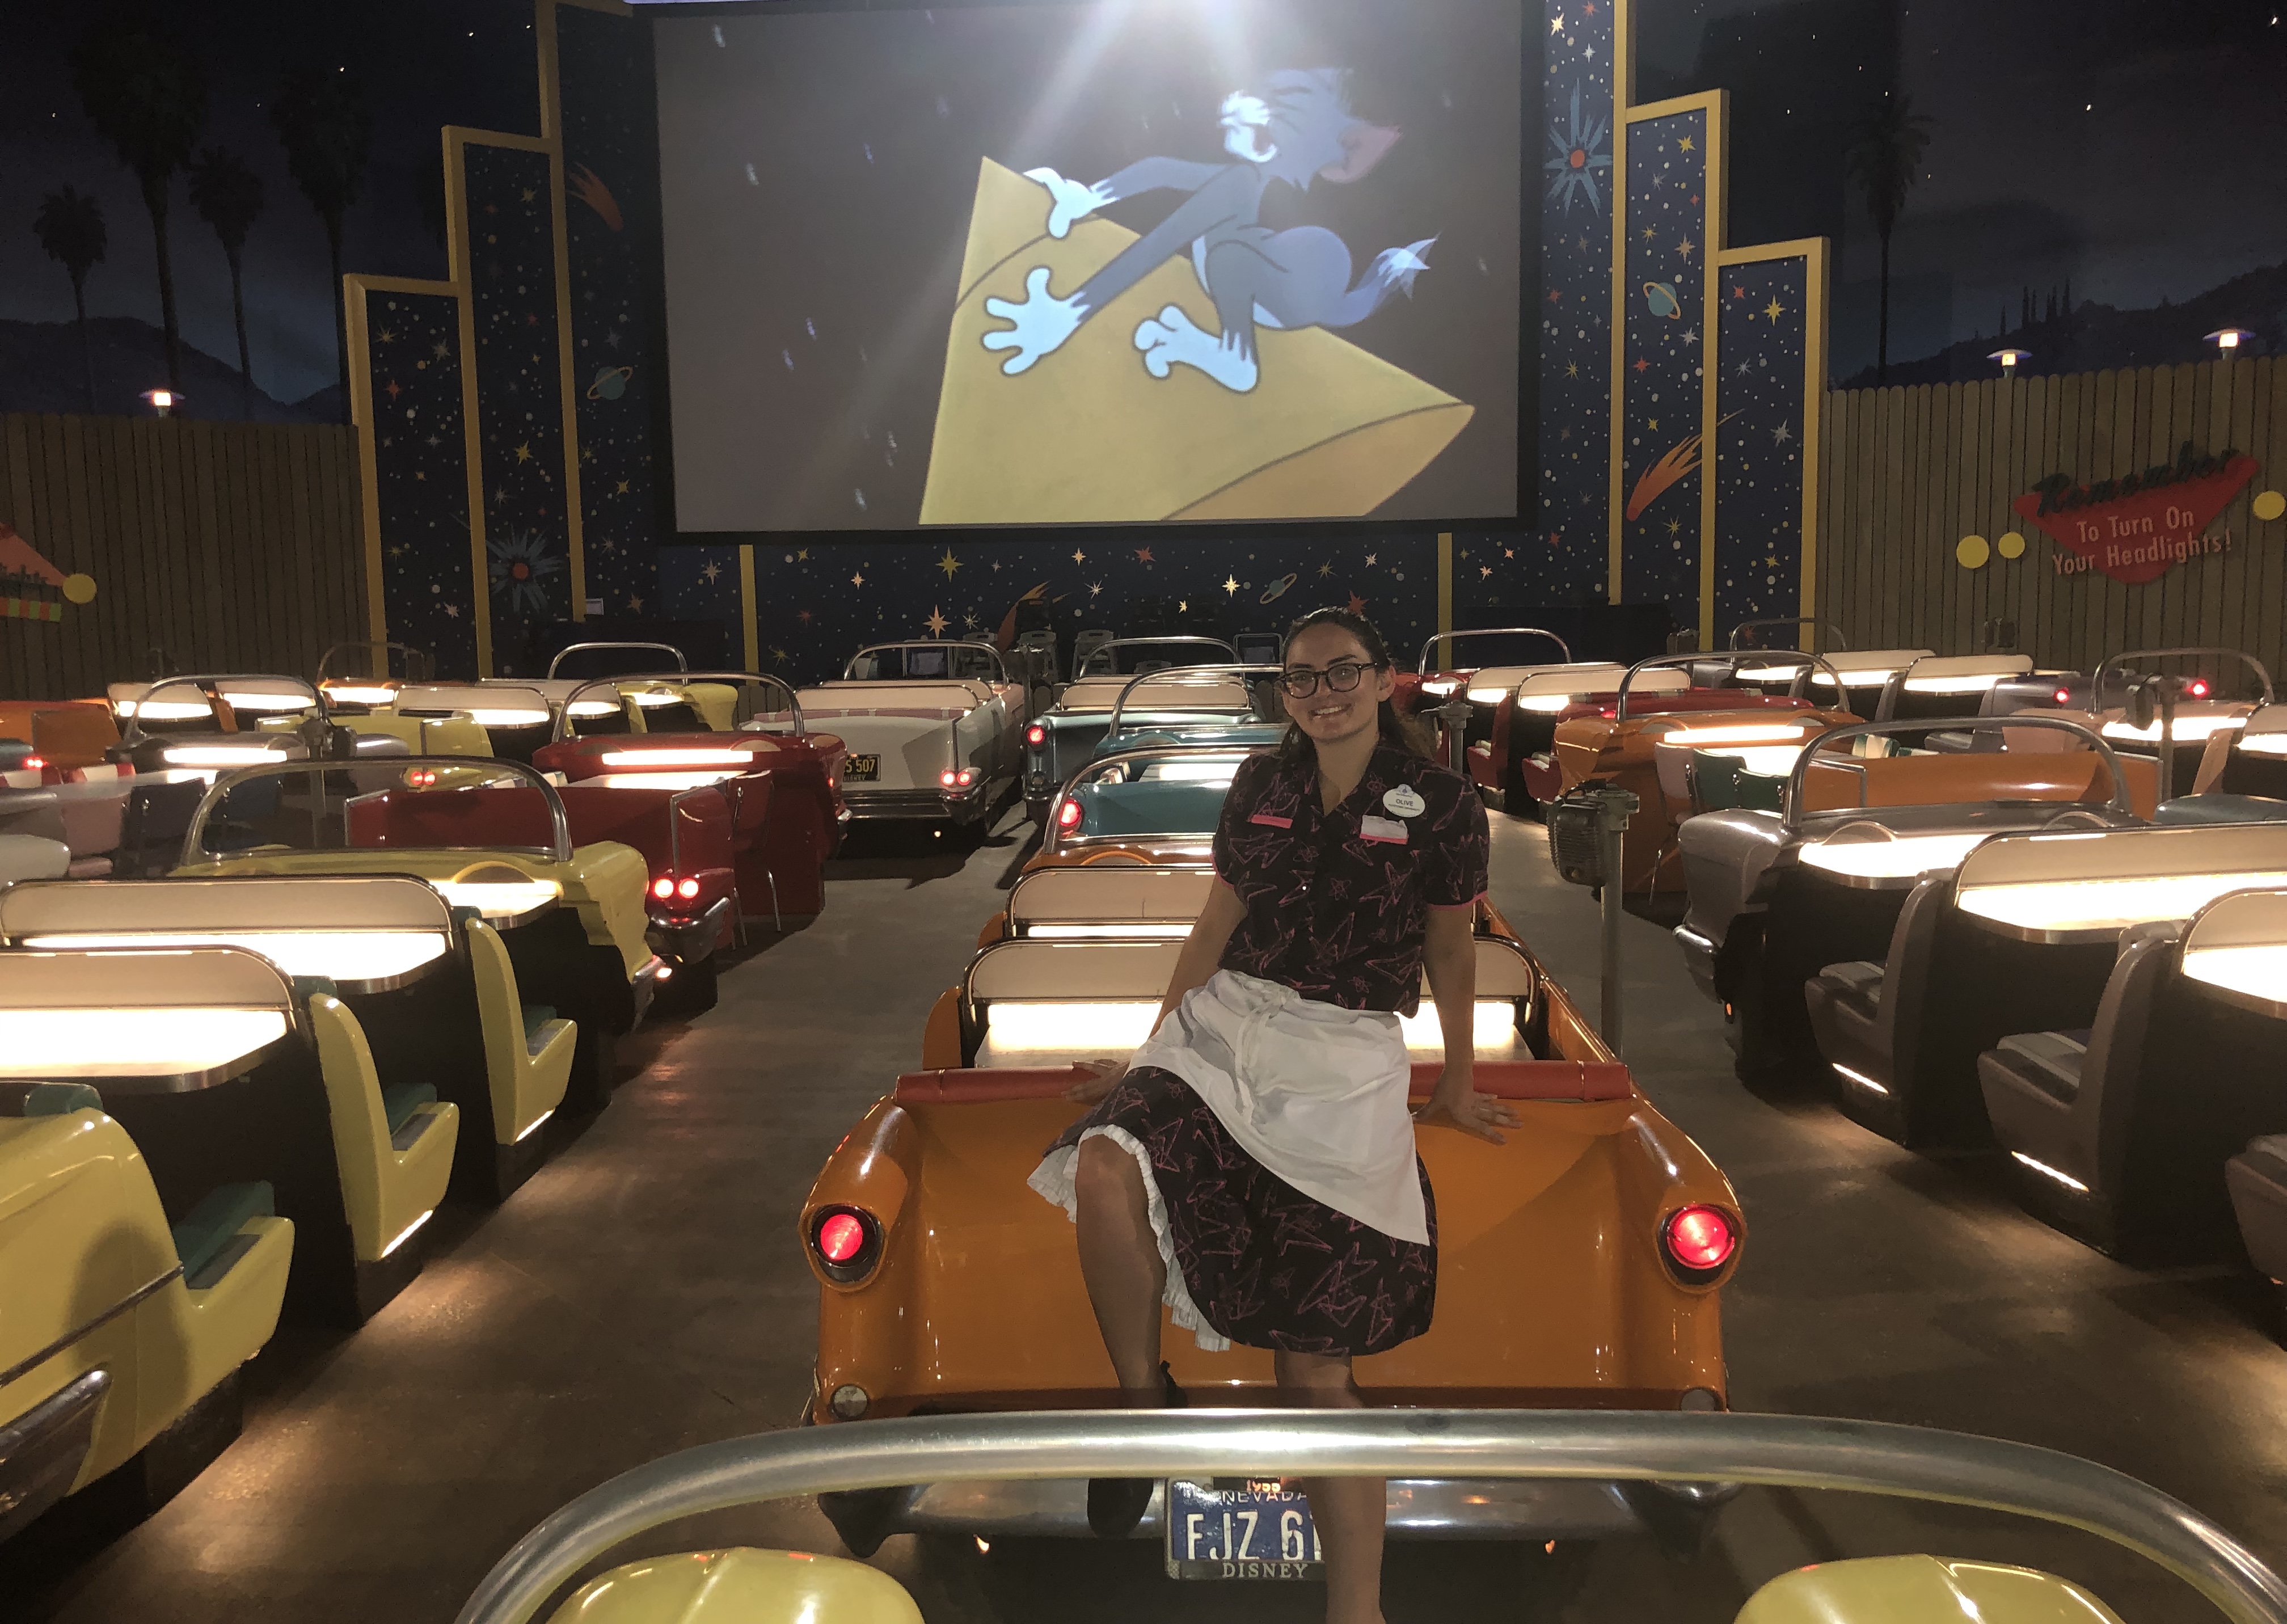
x=1370, y=828
x=1404, y=801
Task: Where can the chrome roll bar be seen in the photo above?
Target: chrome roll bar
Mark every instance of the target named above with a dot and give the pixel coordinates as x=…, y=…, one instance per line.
x=562, y=727
x=203, y=681
x=1000, y=664
x=1106, y=648
x=2097, y=680
x=1052, y=837
x=1790, y=822
x=1794, y=1452
x=1173, y=672
x=428, y=663
x=559, y=850
x=1842, y=642
x=1731, y=660
x=1422, y=666
x=570, y=649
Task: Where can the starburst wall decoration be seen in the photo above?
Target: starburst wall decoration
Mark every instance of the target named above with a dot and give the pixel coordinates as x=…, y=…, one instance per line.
x=1574, y=170
x=520, y=565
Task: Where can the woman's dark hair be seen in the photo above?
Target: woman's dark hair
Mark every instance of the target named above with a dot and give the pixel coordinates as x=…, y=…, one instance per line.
x=1400, y=733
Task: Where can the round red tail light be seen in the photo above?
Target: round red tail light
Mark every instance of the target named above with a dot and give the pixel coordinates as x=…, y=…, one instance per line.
x=687, y=889
x=35, y=764
x=1068, y=815
x=2197, y=687
x=1700, y=1241
x=947, y=778
x=964, y=778
x=1036, y=734
x=2064, y=696
x=663, y=888
x=847, y=1243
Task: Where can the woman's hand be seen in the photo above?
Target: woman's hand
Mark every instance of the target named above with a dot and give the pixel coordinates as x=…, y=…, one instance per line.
x=1480, y=1116
x=1099, y=1078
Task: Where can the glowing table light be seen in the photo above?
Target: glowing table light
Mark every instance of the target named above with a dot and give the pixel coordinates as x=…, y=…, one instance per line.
x=2105, y=906
x=1955, y=685
x=499, y=899
x=350, y=693
x=340, y=955
x=2187, y=729
x=1156, y=930
x=133, y=1042
x=1216, y=772
x=166, y=710
x=196, y=756
x=267, y=701
x=1545, y=704
x=1442, y=688
x=677, y=758
x=2256, y=971
x=1757, y=733
x=695, y=779
x=1020, y=1034
x=1901, y=857
x=2262, y=744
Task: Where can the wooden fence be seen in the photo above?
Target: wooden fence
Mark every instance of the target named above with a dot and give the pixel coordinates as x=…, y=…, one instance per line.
x=230, y=546
x=1909, y=472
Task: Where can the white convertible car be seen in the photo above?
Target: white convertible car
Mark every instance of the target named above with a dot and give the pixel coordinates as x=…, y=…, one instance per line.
x=933, y=730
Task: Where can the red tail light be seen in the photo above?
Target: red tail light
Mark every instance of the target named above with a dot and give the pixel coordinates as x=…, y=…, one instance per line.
x=847, y=1243
x=2197, y=687
x=964, y=778
x=420, y=778
x=687, y=889
x=1036, y=735
x=1068, y=815
x=1699, y=1241
x=35, y=764
x=947, y=778
x=663, y=888
x=2064, y=696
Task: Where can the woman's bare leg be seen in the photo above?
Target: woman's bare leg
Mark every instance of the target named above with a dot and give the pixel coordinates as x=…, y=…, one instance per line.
x=1350, y=1512
x=1120, y=1260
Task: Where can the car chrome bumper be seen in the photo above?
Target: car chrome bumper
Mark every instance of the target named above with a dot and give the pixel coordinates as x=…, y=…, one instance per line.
x=1699, y=959
x=1419, y=1508
x=40, y=1450
x=687, y=940
x=956, y=805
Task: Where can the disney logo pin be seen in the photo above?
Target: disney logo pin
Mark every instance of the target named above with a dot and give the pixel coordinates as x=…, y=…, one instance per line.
x=1404, y=801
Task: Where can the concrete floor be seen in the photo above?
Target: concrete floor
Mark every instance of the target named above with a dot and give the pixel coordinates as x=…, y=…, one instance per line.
x=644, y=1292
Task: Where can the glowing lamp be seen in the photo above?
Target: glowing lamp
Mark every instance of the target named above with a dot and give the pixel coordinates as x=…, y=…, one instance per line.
x=2009, y=358
x=2064, y=696
x=1701, y=1239
x=686, y=889
x=2227, y=339
x=2197, y=688
x=946, y=779
x=1068, y=815
x=354, y=694
x=163, y=401
x=1036, y=735
x=675, y=758
x=663, y=888
x=841, y=1237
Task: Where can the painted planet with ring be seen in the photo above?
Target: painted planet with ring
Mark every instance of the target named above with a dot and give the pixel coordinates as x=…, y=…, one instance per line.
x=1659, y=298
x=611, y=382
x=1276, y=590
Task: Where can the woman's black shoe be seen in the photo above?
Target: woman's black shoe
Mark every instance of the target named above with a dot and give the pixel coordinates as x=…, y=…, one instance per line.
x=1115, y=1505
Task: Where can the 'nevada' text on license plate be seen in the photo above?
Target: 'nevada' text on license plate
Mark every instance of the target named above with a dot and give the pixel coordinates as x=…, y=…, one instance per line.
x=861, y=769
x=1240, y=1528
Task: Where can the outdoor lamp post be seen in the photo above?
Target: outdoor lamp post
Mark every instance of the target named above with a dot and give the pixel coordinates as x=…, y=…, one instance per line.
x=163, y=401
x=2009, y=358
x=2227, y=339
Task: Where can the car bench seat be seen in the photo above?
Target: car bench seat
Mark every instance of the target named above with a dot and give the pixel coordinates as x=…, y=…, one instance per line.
x=2257, y=1182
x=1865, y=1014
x=2070, y=1104
x=144, y=1327
x=527, y=1049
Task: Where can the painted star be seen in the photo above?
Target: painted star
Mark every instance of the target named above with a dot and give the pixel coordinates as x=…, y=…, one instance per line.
x=387, y=335
x=711, y=572
x=1325, y=570
x=803, y=615
x=529, y=195
x=948, y=563
x=778, y=655
x=859, y=579
x=1095, y=591
x=1641, y=365
x=1782, y=434
x=937, y=622
x=419, y=474
x=1572, y=369
x=1652, y=423
x=392, y=391
x=802, y=556
x=1775, y=310
x=1673, y=525
x=635, y=604
x=1230, y=583
x=1079, y=557
x=1369, y=559
x=1738, y=292
x=1183, y=605
x=441, y=351
x=1648, y=233
x=1556, y=23
x=1143, y=554
x=1508, y=553
x=1555, y=295
x=1744, y=369
x=1484, y=570
x=1358, y=603
x=1686, y=248
x=1687, y=144
x=523, y=452
x=452, y=611
x=620, y=489
x=1691, y=335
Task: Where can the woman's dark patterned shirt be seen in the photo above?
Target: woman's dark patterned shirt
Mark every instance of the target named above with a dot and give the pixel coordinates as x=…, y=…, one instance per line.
x=1337, y=902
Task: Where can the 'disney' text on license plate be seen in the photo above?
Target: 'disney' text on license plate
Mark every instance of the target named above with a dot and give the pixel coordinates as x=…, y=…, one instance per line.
x=1239, y=1528
x=861, y=769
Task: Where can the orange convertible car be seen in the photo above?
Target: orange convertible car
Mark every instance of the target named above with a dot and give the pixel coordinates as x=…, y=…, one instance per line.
x=1580, y=1263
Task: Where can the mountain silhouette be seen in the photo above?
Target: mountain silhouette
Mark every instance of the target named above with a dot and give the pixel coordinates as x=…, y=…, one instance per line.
x=41, y=370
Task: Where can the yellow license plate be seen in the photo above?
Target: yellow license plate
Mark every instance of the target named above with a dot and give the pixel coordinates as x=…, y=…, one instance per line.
x=861, y=769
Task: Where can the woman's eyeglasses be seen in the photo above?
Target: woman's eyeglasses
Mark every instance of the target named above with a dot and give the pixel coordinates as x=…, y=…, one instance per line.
x=1342, y=677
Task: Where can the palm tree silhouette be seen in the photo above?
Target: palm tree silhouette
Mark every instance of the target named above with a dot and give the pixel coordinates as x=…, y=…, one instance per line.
x=324, y=122
x=70, y=226
x=149, y=100
x=1885, y=159
x=228, y=197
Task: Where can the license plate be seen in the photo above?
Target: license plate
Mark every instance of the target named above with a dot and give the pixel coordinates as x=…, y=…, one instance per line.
x=1240, y=1528
x=860, y=769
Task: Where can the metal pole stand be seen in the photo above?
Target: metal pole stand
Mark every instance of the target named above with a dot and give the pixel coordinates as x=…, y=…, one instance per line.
x=1454, y=714
x=1615, y=807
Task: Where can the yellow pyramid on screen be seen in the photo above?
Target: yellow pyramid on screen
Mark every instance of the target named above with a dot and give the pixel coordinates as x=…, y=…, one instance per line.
x=1087, y=436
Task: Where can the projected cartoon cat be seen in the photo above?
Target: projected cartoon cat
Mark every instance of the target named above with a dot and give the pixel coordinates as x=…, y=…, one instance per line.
x=1298, y=129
